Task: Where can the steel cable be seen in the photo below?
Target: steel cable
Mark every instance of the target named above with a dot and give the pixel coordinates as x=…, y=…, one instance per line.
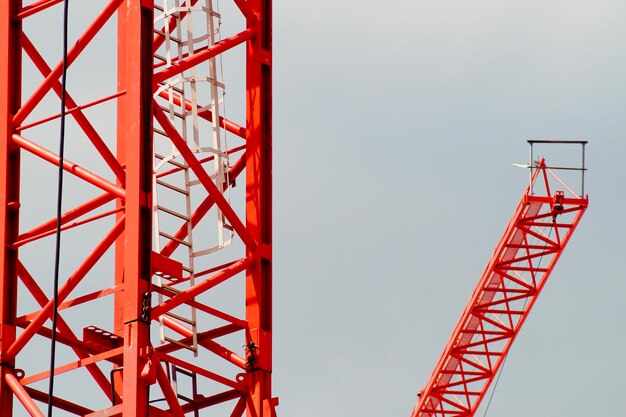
x=59, y=212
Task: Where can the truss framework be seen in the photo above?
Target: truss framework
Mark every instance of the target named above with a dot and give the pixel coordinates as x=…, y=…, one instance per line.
x=531, y=245
x=114, y=273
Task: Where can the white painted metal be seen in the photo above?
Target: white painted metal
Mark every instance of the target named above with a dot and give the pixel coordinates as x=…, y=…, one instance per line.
x=174, y=192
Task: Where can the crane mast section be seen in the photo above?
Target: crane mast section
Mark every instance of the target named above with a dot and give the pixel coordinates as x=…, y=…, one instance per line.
x=164, y=305
x=528, y=251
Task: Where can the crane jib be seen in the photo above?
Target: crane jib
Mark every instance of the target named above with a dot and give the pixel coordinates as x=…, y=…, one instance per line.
x=525, y=256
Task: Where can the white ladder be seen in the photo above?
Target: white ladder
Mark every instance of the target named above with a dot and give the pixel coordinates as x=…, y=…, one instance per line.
x=174, y=182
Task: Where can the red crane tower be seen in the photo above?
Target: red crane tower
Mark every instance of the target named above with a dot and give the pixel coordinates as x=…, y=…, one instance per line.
x=532, y=243
x=164, y=300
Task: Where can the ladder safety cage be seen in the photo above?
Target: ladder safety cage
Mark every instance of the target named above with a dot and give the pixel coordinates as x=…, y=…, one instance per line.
x=175, y=187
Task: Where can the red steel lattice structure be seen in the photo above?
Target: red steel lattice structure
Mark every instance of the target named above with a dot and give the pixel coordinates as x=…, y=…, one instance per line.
x=140, y=278
x=531, y=245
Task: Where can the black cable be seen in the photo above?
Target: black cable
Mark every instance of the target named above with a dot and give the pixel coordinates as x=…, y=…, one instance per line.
x=57, y=251
x=495, y=385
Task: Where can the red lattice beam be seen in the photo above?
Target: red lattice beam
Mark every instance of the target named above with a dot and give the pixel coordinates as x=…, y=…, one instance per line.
x=515, y=275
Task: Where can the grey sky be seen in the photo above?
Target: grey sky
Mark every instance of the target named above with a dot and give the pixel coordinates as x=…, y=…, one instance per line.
x=396, y=124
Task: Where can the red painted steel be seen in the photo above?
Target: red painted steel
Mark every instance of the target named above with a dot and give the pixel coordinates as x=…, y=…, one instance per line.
x=201, y=56
x=111, y=302
x=515, y=275
x=259, y=209
x=10, y=159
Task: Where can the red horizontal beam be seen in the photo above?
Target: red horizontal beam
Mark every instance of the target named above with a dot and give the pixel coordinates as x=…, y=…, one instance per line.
x=200, y=57
x=26, y=318
x=68, y=227
x=74, y=365
x=70, y=111
x=36, y=7
x=68, y=216
x=69, y=166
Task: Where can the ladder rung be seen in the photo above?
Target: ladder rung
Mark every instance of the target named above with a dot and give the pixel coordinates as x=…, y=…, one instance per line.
x=160, y=132
x=177, y=40
x=175, y=239
x=172, y=289
x=172, y=38
x=173, y=213
x=202, y=38
x=172, y=187
x=206, y=251
x=171, y=161
x=217, y=83
x=181, y=318
x=176, y=342
x=179, y=114
x=175, y=113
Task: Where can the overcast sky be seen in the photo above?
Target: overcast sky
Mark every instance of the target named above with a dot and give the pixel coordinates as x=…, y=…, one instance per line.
x=396, y=125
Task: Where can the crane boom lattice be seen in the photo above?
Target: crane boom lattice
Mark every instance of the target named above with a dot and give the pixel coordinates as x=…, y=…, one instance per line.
x=532, y=243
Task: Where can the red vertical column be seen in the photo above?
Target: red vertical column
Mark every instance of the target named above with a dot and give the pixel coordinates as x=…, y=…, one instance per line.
x=10, y=85
x=259, y=209
x=135, y=26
